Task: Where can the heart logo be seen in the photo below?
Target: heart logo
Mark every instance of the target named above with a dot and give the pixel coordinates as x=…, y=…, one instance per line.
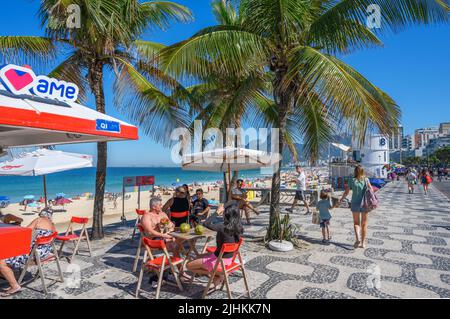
x=17, y=79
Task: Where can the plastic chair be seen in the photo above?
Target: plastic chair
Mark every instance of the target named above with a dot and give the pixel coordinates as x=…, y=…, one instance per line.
x=141, y=244
x=226, y=270
x=150, y=263
x=70, y=236
x=34, y=259
x=179, y=218
x=140, y=213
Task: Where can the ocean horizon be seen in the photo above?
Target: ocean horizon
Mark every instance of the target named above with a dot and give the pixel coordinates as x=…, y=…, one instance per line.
x=79, y=181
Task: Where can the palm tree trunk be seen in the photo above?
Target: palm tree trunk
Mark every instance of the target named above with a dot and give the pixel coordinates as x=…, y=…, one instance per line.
x=96, y=83
x=283, y=100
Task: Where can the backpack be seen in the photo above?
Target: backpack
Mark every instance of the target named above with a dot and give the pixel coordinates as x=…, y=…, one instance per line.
x=370, y=199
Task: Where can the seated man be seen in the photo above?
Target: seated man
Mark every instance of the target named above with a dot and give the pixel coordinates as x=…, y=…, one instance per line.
x=151, y=222
x=240, y=195
x=200, y=207
x=10, y=219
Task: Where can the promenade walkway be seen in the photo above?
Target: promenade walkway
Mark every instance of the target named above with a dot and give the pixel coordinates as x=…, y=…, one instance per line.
x=408, y=255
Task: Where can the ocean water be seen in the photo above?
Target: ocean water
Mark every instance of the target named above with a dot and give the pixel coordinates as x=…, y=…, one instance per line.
x=80, y=181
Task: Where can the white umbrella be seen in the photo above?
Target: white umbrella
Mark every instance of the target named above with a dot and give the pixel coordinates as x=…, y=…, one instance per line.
x=342, y=147
x=43, y=162
x=229, y=159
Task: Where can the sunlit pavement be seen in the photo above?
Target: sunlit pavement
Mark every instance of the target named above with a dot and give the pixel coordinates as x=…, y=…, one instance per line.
x=408, y=255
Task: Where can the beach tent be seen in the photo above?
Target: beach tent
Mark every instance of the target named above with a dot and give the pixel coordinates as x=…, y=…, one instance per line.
x=28, y=120
x=229, y=159
x=43, y=162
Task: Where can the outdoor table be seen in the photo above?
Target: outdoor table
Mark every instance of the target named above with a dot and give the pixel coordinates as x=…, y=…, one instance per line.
x=14, y=241
x=191, y=238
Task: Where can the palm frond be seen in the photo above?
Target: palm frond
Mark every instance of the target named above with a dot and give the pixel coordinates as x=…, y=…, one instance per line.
x=343, y=90
x=27, y=49
x=395, y=15
x=157, y=113
x=231, y=49
x=72, y=70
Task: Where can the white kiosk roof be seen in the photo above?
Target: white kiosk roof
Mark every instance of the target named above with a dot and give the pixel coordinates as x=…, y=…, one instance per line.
x=27, y=120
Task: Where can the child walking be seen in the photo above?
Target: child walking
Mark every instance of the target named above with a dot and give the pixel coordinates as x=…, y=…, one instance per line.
x=323, y=206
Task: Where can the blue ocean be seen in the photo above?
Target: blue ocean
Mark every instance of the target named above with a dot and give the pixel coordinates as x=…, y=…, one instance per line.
x=77, y=182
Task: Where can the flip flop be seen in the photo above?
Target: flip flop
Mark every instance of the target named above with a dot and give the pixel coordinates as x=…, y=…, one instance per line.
x=9, y=294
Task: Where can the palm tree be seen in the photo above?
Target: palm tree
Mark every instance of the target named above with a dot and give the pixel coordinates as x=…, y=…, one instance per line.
x=300, y=43
x=225, y=100
x=108, y=38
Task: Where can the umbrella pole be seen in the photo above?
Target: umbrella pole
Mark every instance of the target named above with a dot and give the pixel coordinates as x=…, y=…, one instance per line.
x=229, y=181
x=45, y=189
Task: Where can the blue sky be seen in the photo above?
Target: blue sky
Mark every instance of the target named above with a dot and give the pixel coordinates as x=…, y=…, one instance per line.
x=413, y=67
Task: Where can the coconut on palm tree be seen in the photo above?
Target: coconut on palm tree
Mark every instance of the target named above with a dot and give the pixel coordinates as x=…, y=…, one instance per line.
x=300, y=42
x=108, y=39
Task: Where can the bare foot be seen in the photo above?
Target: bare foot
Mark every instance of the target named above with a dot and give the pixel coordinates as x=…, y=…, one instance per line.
x=217, y=281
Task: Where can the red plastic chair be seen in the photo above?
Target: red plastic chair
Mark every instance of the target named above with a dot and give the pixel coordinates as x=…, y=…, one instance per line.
x=71, y=236
x=35, y=260
x=141, y=244
x=140, y=213
x=159, y=264
x=226, y=270
x=179, y=215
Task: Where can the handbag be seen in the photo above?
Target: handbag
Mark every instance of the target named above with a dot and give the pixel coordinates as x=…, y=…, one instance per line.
x=370, y=199
x=316, y=217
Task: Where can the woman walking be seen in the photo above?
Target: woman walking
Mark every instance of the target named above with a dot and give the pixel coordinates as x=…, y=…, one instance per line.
x=358, y=186
x=411, y=179
x=426, y=180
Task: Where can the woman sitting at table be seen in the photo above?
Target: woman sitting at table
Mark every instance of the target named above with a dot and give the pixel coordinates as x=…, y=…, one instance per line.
x=228, y=232
x=178, y=204
x=42, y=226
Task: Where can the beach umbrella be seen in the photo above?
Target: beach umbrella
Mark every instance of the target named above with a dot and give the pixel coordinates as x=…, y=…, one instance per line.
x=342, y=147
x=28, y=197
x=229, y=159
x=43, y=162
x=60, y=195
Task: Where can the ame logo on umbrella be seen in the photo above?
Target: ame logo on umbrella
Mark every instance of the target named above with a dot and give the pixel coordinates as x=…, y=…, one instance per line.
x=10, y=167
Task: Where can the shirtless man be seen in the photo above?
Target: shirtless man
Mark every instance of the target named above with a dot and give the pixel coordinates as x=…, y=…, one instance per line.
x=151, y=223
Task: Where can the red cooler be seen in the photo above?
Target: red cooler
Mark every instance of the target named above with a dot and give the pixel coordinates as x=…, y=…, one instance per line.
x=14, y=241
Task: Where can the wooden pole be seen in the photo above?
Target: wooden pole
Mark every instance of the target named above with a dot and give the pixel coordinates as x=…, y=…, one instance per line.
x=123, y=202
x=139, y=197
x=45, y=189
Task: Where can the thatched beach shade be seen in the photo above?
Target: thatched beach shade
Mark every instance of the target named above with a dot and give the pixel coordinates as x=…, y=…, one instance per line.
x=229, y=159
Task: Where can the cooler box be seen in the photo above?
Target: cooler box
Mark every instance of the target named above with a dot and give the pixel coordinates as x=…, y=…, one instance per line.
x=14, y=241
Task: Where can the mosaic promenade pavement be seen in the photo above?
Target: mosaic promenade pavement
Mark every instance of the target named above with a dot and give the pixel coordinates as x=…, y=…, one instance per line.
x=408, y=256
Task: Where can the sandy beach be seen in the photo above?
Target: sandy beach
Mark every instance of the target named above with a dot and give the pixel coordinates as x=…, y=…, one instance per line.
x=83, y=207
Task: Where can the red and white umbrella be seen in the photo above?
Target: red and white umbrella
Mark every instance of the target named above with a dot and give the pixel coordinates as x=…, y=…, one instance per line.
x=43, y=162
